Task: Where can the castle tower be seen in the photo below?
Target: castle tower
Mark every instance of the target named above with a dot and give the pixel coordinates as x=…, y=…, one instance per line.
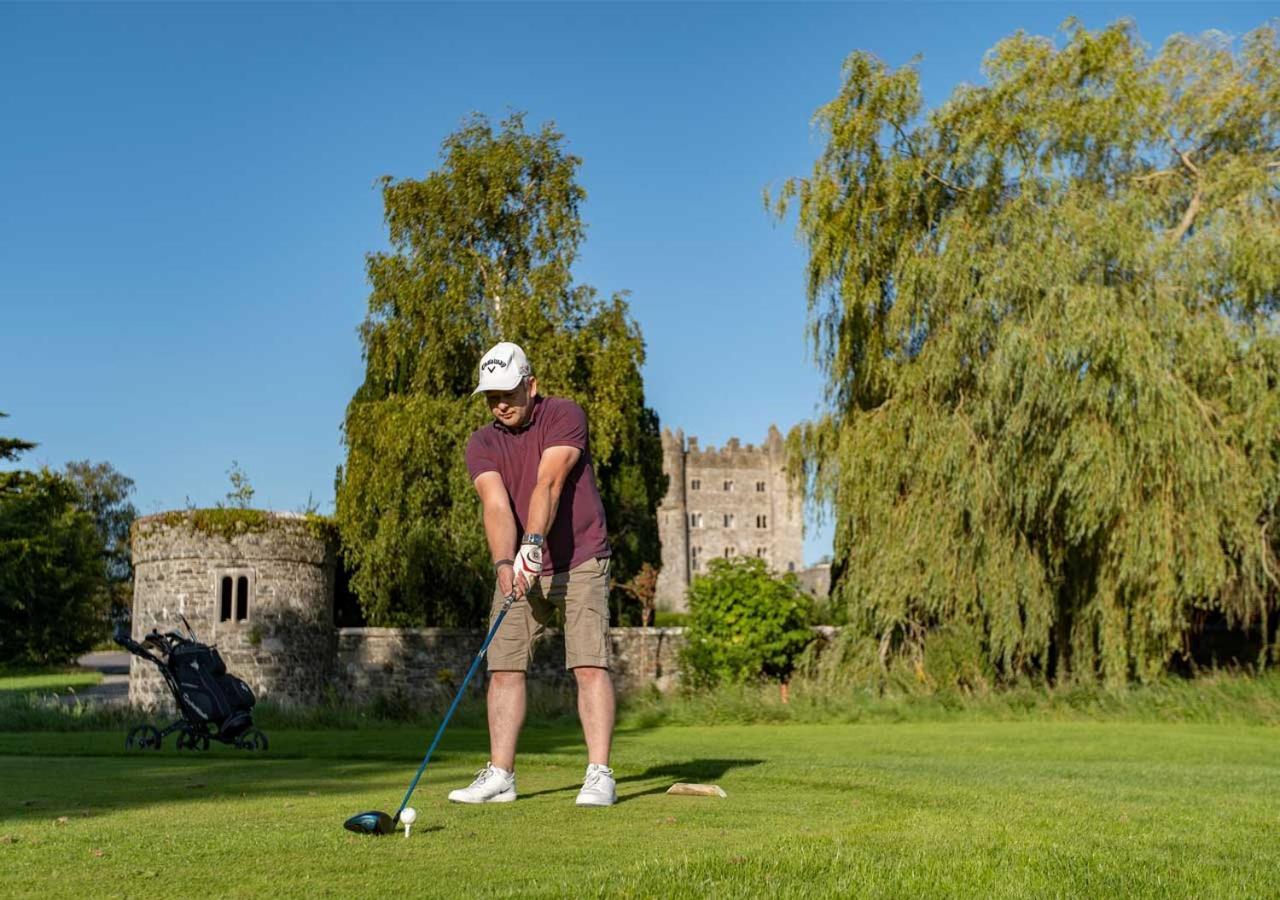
x=735, y=501
x=787, y=540
x=257, y=585
x=673, y=578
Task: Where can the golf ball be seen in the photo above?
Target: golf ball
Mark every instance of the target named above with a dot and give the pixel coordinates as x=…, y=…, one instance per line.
x=409, y=816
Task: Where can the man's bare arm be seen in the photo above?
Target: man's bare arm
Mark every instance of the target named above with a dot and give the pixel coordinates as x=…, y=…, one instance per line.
x=553, y=471
x=499, y=524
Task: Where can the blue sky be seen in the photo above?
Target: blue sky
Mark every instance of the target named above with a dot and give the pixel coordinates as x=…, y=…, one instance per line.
x=187, y=195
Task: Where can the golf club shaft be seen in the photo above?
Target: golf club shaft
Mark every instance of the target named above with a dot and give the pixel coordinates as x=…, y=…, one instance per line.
x=475, y=664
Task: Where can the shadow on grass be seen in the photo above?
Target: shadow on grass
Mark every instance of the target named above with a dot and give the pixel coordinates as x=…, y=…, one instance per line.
x=693, y=770
x=63, y=772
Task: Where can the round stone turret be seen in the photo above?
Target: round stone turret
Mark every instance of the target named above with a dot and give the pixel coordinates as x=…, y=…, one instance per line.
x=257, y=585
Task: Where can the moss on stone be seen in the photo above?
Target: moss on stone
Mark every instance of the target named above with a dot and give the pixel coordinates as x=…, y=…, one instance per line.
x=229, y=523
x=223, y=522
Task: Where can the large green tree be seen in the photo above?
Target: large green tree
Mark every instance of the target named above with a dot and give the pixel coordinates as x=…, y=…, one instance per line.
x=1047, y=311
x=481, y=250
x=104, y=494
x=54, y=595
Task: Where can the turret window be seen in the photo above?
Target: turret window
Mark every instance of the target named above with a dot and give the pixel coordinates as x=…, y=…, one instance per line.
x=759, y=487
x=762, y=521
x=695, y=484
x=234, y=595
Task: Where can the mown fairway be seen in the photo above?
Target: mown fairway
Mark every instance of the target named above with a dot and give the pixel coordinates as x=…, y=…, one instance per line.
x=972, y=808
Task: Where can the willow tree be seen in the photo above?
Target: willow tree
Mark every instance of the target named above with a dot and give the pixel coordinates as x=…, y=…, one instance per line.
x=1047, y=312
x=481, y=250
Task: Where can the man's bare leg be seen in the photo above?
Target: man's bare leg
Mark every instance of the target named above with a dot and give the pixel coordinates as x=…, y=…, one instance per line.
x=506, y=715
x=596, y=710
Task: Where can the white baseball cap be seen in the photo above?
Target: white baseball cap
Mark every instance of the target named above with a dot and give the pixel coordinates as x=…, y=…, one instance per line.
x=502, y=368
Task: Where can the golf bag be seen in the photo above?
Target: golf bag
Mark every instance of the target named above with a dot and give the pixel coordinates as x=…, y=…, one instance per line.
x=214, y=704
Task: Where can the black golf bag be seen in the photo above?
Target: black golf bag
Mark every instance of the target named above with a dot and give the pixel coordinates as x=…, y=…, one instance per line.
x=214, y=704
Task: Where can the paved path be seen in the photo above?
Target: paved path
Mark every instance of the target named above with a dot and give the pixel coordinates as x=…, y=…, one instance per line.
x=114, y=687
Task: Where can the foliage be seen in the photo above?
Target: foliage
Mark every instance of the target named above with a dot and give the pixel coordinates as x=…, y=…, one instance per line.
x=481, y=251
x=643, y=590
x=666, y=618
x=219, y=521
x=104, y=494
x=744, y=624
x=241, y=493
x=865, y=692
x=1047, y=315
x=954, y=658
x=12, y=448
x=54, y=595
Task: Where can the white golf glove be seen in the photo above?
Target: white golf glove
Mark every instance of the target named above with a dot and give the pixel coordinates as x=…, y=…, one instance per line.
x=529, y=565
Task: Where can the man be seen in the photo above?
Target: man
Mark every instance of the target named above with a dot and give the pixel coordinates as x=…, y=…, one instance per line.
x=545, y=524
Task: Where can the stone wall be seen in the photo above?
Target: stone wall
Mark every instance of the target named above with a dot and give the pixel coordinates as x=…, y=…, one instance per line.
x=423, y=662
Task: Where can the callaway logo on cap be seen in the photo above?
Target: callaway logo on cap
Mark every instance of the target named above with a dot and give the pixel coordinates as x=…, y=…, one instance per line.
x=502, y=367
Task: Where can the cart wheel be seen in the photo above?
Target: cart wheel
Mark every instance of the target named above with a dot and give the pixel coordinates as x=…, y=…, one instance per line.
x=253, y=740
x=190, y=741
x=143, y=737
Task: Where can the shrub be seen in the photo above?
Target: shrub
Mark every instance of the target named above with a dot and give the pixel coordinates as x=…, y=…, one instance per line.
x=744, y=624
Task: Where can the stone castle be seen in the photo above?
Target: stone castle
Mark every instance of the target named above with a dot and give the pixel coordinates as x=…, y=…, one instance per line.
x=724, y=503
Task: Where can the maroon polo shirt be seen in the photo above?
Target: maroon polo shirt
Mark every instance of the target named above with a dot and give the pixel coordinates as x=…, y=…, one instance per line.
x=579, y=532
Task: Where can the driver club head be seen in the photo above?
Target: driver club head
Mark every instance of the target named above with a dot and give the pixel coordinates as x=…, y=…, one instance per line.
x=373, y=822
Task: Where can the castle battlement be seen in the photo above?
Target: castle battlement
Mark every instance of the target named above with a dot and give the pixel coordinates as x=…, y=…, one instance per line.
x=733, y=453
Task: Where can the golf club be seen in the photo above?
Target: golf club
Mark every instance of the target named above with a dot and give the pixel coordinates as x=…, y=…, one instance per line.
x=377, y=822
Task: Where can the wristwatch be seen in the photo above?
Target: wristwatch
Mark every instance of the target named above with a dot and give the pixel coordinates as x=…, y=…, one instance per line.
x=535, y=539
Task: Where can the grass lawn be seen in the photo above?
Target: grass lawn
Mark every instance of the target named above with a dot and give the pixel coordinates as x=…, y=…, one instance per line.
x=938, y=808
x=47, y=682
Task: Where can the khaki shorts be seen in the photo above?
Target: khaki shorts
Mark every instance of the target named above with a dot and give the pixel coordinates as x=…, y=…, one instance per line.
x=582, y=594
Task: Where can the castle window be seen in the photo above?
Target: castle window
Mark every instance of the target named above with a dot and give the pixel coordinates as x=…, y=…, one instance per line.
x=728, y=520
x=762, y=521
x=760, y=552
x=695, y=484
x=728, y=552
x=695, y=520
x=791, y=567
x=694, y=554
x=728, y=485
x=234, y=594
x=759, y=487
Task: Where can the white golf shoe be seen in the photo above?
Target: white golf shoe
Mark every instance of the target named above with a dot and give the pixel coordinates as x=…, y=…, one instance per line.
x=598, y=788
x=492, y=785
